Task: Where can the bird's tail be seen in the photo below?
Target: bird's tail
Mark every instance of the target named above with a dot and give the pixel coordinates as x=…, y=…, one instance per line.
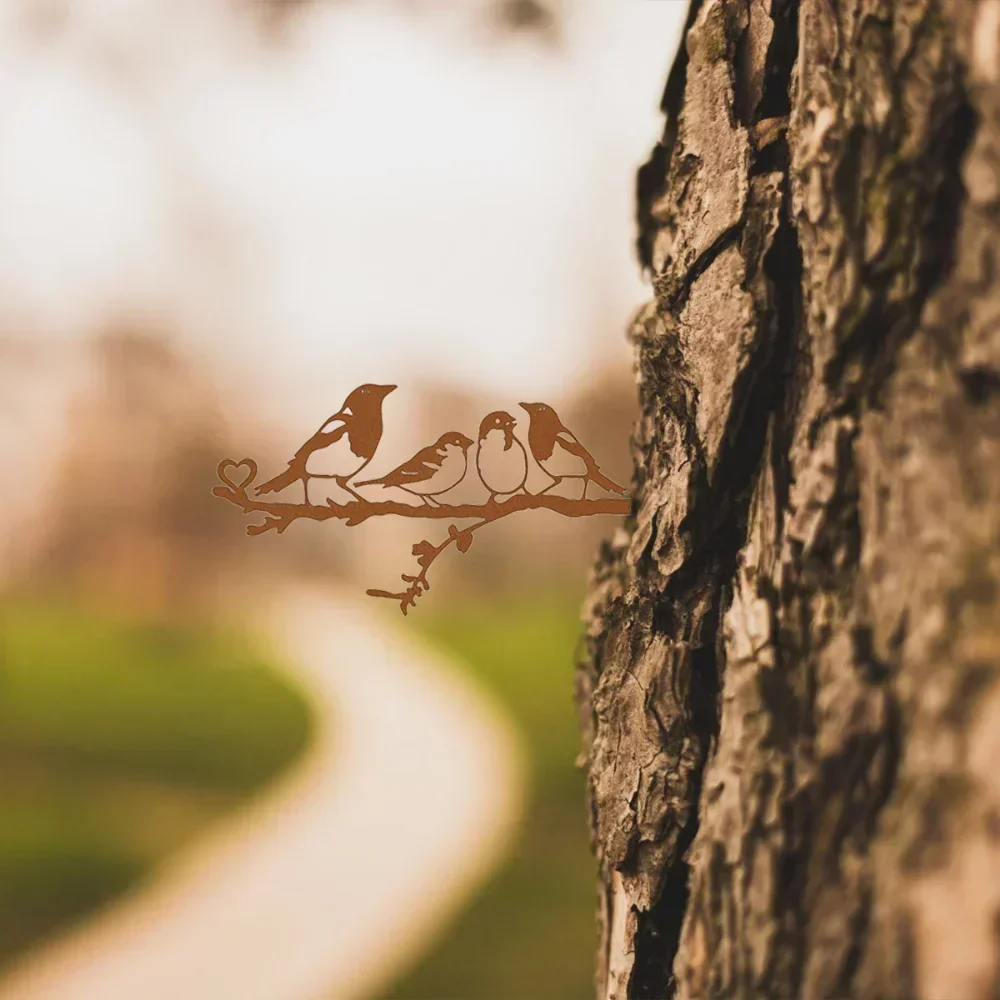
x=286, y=478
x=596, y=476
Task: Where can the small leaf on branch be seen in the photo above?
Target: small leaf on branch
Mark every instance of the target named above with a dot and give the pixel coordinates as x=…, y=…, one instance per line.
x=463, y=539
x=425, y=553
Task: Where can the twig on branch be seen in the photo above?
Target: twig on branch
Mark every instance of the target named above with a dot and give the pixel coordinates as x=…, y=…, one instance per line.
x=426, y=553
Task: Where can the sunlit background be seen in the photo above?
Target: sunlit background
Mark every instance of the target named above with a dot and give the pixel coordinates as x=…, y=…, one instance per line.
x=217, y=217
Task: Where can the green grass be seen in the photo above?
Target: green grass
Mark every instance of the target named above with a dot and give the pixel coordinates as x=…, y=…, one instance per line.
x=118, y=743
x=530, y=934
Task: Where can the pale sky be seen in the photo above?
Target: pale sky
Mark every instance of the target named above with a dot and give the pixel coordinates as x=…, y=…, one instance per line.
x=378, y=197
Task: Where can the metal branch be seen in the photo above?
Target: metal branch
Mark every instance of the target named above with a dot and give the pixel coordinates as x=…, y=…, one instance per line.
x=278, y=516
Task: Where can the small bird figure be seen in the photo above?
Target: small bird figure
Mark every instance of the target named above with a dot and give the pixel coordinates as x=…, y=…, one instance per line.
x=341, y=448
x=501, y=460
x=432, y=471
x=556, y=449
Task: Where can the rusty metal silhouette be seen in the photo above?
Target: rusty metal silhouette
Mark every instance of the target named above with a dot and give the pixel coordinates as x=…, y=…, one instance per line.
x=343, y=446
x=556, y=448
x=432, y=471
x=504, y=457
x=346, y=443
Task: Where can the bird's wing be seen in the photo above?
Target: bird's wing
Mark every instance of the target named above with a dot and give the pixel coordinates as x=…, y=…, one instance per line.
x=421, y=467
x=568, y=441
x=333, y=430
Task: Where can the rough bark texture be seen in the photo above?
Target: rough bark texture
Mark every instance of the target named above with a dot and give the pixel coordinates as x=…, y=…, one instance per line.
x=790, y=704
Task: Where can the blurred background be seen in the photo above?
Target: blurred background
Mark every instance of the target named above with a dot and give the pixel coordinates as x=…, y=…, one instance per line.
x=218, y=217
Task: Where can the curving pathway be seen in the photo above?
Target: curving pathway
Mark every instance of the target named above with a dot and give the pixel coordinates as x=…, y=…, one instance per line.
x=342, y=874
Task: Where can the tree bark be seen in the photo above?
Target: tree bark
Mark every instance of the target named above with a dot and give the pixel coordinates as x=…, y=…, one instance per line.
x=790, y=708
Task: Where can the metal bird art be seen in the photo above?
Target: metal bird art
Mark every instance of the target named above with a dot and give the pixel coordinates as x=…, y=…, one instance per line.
x=341, y=448
x=501, y=461
x=347, y=442
x=434, y=470
x=556, y=449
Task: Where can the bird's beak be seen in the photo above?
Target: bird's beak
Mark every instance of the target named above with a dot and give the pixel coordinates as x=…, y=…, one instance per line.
x=525, y=406
x=386, y=389
x=467, y=442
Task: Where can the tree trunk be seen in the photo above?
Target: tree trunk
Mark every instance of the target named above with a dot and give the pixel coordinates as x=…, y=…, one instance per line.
x=790, y=704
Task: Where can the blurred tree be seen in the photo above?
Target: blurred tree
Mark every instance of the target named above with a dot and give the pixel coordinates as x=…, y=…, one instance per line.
x=133, y=521
x=790, y=701
x=540, y=19
x=527, y=17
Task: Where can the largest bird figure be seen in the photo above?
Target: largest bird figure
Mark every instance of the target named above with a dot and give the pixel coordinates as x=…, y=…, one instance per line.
x=556, y=449
x=341, y=448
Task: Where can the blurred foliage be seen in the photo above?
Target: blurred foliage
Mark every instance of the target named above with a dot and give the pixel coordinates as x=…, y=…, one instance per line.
x=527, y=16
x=131, y=520
x=118, y=742
x=531, y=931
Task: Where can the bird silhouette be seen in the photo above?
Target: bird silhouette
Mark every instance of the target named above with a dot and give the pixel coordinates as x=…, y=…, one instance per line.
x=431, y=471
x=341, y=448
x=559, y=453
x=501, y=460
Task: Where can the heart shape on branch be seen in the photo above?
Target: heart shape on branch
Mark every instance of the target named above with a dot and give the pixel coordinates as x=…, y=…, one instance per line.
x=227, y=465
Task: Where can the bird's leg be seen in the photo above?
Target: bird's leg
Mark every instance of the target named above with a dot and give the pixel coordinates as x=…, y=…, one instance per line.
x=586, y=483
x=431, y=502
x=341, y=481
x=555, y=482
x=305, y=489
